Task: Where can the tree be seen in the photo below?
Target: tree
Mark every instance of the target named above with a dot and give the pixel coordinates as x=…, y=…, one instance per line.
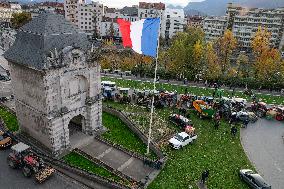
x=260, y=42
x=225, y=46
x=212, y=68
x=20, y=19
x=197, y=57
x=181, y=52
x=111, y=30
x=267, y=66
x=243, y=66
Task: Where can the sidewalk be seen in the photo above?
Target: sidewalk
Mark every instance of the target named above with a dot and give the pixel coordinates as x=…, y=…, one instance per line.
x=119, y=160
x=191, y=84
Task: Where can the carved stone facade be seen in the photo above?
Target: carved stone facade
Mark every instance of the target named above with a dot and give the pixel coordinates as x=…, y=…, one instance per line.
x=49, y=94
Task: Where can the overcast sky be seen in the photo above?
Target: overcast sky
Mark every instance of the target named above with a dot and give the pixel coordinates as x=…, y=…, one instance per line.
x=122, y=3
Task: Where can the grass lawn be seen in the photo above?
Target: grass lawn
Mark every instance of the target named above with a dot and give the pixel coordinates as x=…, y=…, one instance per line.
x=119, y=133
x=9, y=119
x=214, y=149
x=193, y=90
x=77, y=160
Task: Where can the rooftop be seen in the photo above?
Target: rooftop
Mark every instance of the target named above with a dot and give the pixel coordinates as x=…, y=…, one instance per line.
x=45, y=33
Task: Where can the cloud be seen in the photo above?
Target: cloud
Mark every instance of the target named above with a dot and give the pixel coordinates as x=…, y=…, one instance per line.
x=122, y=3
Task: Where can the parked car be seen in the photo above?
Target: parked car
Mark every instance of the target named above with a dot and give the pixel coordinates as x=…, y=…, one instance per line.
x=182, y=139
x=242, y=116
x=4, y=78
x=179, y=120
x=5, y=140
x=253, y=179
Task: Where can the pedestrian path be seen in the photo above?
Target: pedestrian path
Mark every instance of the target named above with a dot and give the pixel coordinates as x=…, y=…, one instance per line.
x=117, y=159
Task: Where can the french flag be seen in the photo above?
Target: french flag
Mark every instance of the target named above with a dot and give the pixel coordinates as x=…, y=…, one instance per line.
x=141, y=36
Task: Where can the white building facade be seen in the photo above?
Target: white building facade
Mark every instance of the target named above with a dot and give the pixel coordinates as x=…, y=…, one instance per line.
x=6, y=12
x=245, y=23
x=214, y=27
x=94, y=16
x=173, y=21
x=90, y=17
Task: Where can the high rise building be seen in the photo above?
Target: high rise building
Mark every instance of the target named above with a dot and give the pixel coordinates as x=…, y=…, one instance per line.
x=214, y=27
x=245, y=22
x=173, y=21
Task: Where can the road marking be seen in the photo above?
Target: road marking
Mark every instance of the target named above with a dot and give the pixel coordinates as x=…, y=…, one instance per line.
x=104, y=153
x=123, y=166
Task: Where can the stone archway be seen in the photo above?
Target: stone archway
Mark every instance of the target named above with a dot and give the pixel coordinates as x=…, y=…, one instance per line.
x=76, y=124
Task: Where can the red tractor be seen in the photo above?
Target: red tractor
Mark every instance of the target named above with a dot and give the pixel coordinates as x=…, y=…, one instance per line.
x=280, y=113
x=23, y=158
x=259, y=108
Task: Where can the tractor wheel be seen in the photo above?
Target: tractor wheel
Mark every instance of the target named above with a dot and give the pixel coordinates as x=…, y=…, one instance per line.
x=27, y=172
x=279, y=117
x=11, y=163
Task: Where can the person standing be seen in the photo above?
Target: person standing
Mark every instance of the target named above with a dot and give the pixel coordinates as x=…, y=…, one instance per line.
x=234, y=131
x=204, y=176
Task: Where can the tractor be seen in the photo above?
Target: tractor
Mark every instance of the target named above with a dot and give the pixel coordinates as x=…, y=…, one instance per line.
x=123, y=95
x=259, y=108
x=108, y=93
x=203, y=109
x=276, y=112
x=23, y=158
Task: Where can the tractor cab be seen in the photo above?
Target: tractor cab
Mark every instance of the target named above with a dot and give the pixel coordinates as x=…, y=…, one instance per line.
x=108, y=93
x=123, y=95
x=108, y=84
x=19, y=150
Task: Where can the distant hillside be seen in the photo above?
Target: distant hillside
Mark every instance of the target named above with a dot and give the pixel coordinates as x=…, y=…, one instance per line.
x=218, y=7
x=174, y=7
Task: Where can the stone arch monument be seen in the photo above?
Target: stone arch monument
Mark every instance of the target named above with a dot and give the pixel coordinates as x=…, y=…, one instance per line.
x=55, y=78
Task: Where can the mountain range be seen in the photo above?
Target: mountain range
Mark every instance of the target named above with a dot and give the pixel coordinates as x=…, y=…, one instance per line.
x=218, y=7
x=207, y=7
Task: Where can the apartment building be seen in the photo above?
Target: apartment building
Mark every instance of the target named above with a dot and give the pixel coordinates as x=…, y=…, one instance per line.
x=71, y=10
x=173, y=21
x=151, y=10
x=245, y=22
x=214, y=27
x=6, y=11
x=90, y=17
x=195, y=21
x=95, y=16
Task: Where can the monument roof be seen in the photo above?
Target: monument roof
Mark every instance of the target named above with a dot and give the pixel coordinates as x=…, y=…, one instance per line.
x=43, y=34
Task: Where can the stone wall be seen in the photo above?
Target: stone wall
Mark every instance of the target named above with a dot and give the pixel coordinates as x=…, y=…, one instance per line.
x=134, y=129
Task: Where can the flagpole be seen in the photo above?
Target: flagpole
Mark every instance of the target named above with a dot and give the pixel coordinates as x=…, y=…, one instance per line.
x=153, y=98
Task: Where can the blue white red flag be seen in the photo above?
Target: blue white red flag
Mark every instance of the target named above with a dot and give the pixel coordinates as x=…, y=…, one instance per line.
x=141, y=36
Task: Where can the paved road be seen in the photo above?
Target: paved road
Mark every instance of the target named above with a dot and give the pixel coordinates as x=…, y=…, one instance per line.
x=192, y=84
x=5, y=88
x=13, y=179
x=264, y=146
